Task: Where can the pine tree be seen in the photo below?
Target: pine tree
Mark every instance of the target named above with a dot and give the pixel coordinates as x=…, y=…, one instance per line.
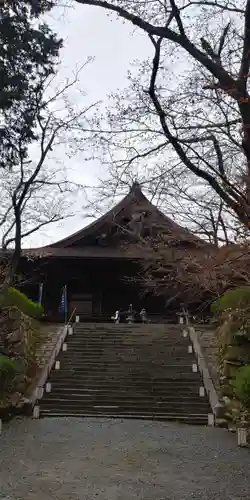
x=28, y=56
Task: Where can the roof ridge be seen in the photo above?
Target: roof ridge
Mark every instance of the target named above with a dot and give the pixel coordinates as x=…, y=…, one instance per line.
x=135, y=193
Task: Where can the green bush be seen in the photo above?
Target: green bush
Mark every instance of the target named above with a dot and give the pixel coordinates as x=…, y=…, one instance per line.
x=236, y=298
x=7, y=374
x=241, y=386
x=25, y=305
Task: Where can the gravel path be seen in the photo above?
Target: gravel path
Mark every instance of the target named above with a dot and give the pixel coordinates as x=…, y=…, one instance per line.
x=74, y=459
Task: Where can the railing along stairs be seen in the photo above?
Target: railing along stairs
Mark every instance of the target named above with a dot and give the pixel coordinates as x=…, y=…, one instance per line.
x=42, y=383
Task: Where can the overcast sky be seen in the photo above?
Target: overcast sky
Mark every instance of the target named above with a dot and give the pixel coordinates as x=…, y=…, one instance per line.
x=114, y=45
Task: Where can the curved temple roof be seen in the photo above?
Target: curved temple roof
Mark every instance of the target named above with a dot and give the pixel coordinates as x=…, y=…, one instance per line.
x=83, y=242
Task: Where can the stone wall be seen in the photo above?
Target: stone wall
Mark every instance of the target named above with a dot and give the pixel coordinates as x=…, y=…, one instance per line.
x=224, y=354
x=29, y=344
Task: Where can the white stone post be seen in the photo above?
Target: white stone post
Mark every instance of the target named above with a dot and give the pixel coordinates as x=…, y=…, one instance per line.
x=210, y=419
x=48, y=387
x=77, y=319
x=242, y=436
x=36, y=411
x=39, y=392
x=202, y=392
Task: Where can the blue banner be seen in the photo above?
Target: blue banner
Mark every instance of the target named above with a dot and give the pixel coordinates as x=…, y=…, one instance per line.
x=63, y=304
x=40, y=293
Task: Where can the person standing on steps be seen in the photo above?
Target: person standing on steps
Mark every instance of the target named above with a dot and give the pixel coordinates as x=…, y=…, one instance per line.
x=130, y=318
x=143, y=314
x=116, y=317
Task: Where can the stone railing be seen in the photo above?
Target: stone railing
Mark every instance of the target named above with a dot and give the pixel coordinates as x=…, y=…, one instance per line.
x=201, y=361
x=38, y=390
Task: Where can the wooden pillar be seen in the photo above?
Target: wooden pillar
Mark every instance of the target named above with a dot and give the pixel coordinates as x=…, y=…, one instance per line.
x=100, y=302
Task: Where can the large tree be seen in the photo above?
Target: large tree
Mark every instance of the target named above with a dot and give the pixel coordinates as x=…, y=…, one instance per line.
x=28, y=56
x=200, y=112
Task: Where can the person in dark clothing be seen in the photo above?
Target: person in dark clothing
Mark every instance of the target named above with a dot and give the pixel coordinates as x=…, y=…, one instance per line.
x=143, y=314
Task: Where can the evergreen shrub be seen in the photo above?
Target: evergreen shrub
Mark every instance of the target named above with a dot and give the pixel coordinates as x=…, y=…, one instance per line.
x=241, y=386
x=23, y=303
x=235, y=298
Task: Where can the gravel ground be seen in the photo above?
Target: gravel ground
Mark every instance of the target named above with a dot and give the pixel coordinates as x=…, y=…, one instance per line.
x=87, y=459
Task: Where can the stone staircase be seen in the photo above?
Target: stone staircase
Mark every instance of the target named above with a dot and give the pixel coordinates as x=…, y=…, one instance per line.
x=126, y=371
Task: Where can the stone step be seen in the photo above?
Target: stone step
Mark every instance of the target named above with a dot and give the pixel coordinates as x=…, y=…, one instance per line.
x=128, y=368
x=125, y=358
x=109, y=350
x=113, y=388
x=109, y=344
x=74, y=394
x=139, y=351
x=135, y=400
x=105, y=347
x=168, y=388
x=143, y=332
x=142, y=326
x=130, y=330
x=133, y=336
x=143, y=380
x=192, y=419
x=173, y=407
x=128, y=344
x=156, y=348
x=136, y=327
x=126, y=340
x=136, y=346
x=155, y=370
x=140, y=332
x=131, y=387
x=127, y=363
x=125, y=377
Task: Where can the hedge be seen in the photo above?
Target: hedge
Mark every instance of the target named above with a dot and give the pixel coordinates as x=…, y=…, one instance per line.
x=238, y=297
x=241, y=386
x=23, y=303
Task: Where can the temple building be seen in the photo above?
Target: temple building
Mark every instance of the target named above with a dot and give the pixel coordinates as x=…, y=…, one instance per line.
x=101, y=264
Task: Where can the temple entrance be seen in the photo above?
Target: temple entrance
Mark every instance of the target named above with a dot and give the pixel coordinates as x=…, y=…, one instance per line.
x=96, y=289
x=82, y=303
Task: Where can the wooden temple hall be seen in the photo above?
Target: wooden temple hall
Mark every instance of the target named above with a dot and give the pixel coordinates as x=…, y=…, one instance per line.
x=100, y=264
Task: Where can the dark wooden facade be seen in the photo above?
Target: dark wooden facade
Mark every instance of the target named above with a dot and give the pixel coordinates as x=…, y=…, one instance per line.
x=101, y=263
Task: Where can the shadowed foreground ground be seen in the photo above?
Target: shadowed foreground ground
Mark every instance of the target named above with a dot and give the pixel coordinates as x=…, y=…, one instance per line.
x=101, y=459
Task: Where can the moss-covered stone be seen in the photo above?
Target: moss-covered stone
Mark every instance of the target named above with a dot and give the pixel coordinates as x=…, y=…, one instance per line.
x=20, y=339
x=233, y=340
x=227, y=390
x=228, y=416
x=230, y=368
x=235, y=353
x=222, y=422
